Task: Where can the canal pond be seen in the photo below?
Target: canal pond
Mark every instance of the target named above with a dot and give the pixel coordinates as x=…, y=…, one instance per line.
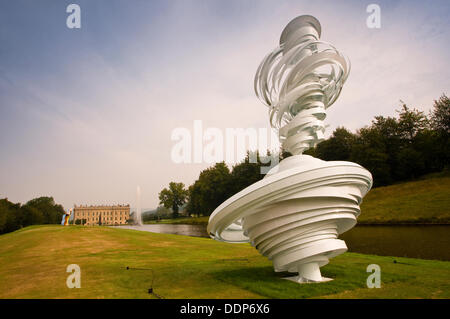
x=415, y=241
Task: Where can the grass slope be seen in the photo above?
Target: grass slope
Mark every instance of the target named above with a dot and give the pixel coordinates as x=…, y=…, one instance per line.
x=424, y=201
x=421, y=201
x=33, y=264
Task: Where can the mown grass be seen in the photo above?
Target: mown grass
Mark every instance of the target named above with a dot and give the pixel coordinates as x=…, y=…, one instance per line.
x=424, y=201
x=33, y=264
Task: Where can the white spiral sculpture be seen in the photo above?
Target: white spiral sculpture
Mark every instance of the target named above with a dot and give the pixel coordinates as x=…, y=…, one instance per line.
x=299, y=80
x=296, y=212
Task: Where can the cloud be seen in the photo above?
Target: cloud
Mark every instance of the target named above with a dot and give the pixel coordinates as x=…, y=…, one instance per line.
x=87, y=116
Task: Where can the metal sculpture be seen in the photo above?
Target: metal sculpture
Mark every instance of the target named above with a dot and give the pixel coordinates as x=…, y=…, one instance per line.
x=299, y=80
x=296, y=212
x=66, y=217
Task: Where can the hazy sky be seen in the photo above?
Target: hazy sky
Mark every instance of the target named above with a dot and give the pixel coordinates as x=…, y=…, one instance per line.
x=86, y=114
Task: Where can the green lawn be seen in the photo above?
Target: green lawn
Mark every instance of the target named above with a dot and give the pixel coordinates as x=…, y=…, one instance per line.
x=425, y=201
x=33, y=264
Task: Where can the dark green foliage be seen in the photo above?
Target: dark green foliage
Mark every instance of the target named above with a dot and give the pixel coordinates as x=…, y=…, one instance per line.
x=395, y=149
x=337, y=147
x=173, y=197
x=440, y=116
x=51, y=211
x=42, y=210
x=10, y=216
x=440, y=123
x=247, y=172
x=213, y=186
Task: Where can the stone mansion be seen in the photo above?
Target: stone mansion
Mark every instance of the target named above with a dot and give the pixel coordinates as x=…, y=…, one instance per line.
x=101, y=215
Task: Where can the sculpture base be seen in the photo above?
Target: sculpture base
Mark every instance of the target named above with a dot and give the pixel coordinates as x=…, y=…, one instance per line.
x=302, y=280
x=294, y=215
x=308, y=273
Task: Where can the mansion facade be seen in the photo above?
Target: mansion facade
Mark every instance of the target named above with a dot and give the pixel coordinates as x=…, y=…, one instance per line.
x=101, y=215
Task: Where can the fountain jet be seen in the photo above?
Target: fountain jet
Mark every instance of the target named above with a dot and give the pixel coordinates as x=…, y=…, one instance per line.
x=138, y=217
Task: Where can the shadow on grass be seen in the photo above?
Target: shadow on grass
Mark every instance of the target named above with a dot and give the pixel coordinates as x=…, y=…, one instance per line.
x=264, y=281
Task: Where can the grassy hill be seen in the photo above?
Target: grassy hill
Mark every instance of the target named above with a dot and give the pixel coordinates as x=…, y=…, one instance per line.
x=421, y=201
x=425, y=201
x=33, y=264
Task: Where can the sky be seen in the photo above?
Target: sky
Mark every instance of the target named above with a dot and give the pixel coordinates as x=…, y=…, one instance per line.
x=86, y=115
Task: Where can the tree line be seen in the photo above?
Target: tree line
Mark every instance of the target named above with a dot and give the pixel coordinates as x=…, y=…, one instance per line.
x=41, y=210
x=393, y=149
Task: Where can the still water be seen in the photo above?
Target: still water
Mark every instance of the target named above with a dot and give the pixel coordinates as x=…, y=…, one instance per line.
x=188, y=230
x=427, y=242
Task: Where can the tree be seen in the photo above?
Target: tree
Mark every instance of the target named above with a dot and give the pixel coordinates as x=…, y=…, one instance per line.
x=211, y=189
x=246, y=173
x=369, y=151
x=382, y=136
x=440, y=116
x=338, y=147
x=440, y=123
x=32, y=216
x=51, y=211
x=173, y=197
x=41, y=210
x=411, y=122
x=9, y=216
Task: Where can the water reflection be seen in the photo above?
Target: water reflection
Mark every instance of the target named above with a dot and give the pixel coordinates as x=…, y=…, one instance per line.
x=427, y=242
x=187, y=230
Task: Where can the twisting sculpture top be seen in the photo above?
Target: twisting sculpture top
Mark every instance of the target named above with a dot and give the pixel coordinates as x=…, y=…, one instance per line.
x=295, y=214
x=299, y=80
